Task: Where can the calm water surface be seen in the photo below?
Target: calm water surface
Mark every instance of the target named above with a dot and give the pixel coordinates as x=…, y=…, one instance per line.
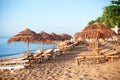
x=15, y=49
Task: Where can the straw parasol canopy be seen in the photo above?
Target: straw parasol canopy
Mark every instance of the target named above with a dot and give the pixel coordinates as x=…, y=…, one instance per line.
x=27, y=36
x=56, y=37
x=47, y=38
x=65, y=36
x=96, y=31
x=76, y=36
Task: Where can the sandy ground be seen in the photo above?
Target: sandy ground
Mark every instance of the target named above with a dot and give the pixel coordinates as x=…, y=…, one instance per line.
x=64, y=67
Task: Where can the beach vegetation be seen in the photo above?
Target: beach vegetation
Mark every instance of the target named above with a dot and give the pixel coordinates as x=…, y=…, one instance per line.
x=110, y=16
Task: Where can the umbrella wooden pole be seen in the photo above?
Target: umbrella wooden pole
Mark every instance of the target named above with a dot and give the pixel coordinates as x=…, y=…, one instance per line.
x=27, y=46
x=53, y=45
x=97, y=46
x=42, y=46
x=97, y=50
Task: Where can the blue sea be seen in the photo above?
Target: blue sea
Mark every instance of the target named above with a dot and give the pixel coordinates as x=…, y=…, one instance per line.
x=17, y=48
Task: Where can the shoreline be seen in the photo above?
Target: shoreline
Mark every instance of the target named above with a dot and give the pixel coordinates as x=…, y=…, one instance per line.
x=12, y=57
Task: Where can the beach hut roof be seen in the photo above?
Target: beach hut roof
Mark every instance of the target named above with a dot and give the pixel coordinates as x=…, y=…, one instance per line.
x=65, y=36
x=96, y=30
x=25, y=36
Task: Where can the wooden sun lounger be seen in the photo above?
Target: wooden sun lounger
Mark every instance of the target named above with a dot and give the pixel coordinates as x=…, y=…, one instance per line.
x=110, y=58
x=111, y=52
x=84, y=57
x=23, y=62
x=12, y=65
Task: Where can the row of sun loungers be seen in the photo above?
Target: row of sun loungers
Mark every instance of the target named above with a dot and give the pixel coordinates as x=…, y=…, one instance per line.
x=43, y=55
x=67, y=46
x=36, y=57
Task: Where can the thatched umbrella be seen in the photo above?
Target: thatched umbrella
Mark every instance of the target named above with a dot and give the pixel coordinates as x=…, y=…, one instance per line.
x=65, y=36
x=56, y=38
x=27, y=36
x=47, y=38
x=96, y=31
x=76, y=36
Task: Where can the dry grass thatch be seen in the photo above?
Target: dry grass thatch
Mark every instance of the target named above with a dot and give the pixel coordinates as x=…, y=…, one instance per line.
x=56, y=37
x=47, y=37
x=26, y=36
x=65, y=36
x=76, y=36
x=96, y=31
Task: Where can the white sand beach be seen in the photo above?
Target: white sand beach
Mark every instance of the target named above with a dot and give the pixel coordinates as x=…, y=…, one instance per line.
x=64, y=67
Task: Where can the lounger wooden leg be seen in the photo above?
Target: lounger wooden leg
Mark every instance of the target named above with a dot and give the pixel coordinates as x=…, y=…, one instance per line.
x=30, y=63
x=2, y=70
x=77, y=61
x=40, y=61
x=97, y=60
x=11, y=71
x=111, y=59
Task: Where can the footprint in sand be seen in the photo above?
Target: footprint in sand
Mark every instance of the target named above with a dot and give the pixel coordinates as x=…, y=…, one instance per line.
x=68, y=75
x=68, y=71
x=105, y=78
x=80, y=78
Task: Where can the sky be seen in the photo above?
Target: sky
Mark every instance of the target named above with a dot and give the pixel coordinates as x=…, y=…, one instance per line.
x=59, y=16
